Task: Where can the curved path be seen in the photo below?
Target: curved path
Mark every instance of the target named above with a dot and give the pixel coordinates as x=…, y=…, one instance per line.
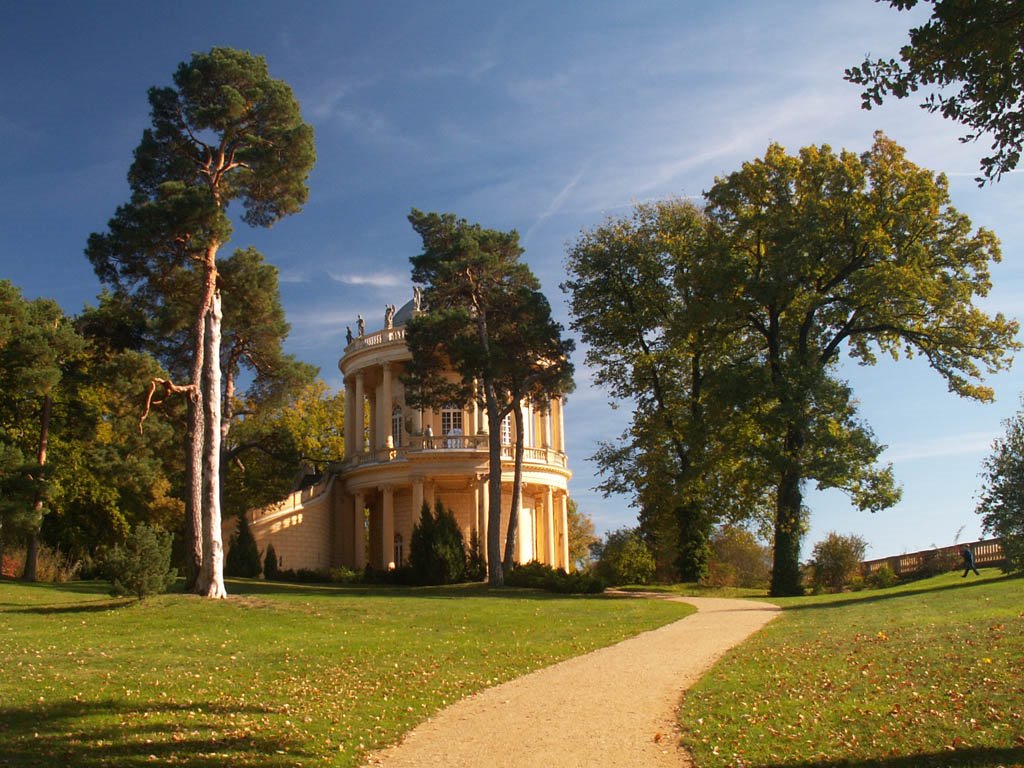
x=615, y=706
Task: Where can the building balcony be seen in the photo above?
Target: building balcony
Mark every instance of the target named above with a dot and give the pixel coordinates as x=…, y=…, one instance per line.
x=452, y=447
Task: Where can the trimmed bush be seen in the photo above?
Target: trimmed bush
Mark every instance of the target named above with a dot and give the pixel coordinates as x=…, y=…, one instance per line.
x=883, y=578
x=835, y=561
x=624, y=558
x=535, y=575
x=142, y=565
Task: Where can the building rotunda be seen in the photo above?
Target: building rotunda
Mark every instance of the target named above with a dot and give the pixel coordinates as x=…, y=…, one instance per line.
x=397, y=457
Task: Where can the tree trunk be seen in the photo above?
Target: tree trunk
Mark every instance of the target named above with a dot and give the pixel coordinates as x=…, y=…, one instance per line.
x=788, y=523
x=32, y=543
x=517, y=491
x=197, y=432
x=212, y=580
x=495, y=573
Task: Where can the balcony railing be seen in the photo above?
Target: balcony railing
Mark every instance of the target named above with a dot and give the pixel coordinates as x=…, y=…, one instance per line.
x=376, y=339
x=448, y=445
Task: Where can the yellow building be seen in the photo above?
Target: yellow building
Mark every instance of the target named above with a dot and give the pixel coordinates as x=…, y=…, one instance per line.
x=397, y=457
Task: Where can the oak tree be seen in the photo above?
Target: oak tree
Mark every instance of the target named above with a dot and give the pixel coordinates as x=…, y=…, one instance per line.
x=970, y=56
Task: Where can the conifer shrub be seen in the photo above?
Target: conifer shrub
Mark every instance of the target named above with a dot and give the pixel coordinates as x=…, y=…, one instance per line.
x=437, y=550
x=476, y=564
x=243, y=558
x=271, y=570
x=142, y=565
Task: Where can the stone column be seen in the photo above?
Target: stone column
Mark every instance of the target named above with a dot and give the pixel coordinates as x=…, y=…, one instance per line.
x=550, y=535
x=428, y=420
x=359, y=532
x=387, y=436
x=546, y=433
x=371, y=441
x=387, y=555
x=417, y=498
x=359, y=423
x=561, y=424
x=349, y=418
x=565, y=531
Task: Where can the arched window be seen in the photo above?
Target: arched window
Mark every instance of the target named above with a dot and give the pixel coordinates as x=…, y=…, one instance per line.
x=396, y=426
x=506, y=429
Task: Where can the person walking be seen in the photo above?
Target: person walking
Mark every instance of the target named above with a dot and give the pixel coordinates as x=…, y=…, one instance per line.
x=968, y=557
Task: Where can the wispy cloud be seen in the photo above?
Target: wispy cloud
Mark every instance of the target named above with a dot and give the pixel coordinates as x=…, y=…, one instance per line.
x=379, y=280
x=966, y=444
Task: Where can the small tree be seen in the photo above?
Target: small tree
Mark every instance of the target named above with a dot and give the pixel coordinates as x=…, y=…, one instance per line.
x=624, y=558
x=1002, y=498
x=738, y=559
x=142, y=565
x=437, y=551
x=581, y=537
x=836, y=560
x=243, y=557
x=270, y=566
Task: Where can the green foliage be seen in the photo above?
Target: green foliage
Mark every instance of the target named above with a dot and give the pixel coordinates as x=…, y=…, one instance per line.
x=835, y=561
x=581, y=537
x=243, y=557
x=476, y=563
x=1001, y=504
x=623, y=558
x=726, y=326
x=881, y=578
x=738, y=559
x=968, y=54
x=535, y=575
x=142, y=565
x=437, y=550
x=925, y=674
x=271, y=567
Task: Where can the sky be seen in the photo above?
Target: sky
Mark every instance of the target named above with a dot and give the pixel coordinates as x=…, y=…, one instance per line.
x=543, y=117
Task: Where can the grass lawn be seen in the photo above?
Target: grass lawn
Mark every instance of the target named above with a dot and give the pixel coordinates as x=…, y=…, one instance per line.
x=278, y=675
x=926, y=674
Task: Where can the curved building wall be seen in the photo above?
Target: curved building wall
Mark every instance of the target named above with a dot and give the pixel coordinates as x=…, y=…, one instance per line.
x=397, y=458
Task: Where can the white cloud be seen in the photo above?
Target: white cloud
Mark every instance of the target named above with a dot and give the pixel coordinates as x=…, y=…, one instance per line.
x=379, y=280
x=967, y=444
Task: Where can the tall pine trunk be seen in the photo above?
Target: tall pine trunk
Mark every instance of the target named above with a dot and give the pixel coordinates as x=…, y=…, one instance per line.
x=495, y=573
x=211, y=582
x=32, y=543
x=517, y=489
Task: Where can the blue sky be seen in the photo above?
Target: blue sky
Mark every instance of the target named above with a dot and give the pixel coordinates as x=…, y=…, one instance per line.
x=538, y=116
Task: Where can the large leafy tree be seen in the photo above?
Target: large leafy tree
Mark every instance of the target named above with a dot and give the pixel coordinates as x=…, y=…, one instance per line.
x=810, y=256
x=484, y=321
x=645, y=296
x=1002, y=498
x=862, y=253
x=970, y=56
x=226, y=131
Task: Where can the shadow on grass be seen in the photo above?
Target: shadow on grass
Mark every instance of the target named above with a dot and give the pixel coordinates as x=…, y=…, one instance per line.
x=258, y=588
x=44, y=610
x=860, y=598
x=966, y=757
x=93, y=734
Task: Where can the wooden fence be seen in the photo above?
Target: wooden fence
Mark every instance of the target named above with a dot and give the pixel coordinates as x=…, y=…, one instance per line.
x=986, y=553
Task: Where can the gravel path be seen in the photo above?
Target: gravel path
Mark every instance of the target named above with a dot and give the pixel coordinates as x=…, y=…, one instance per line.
x=613, y=707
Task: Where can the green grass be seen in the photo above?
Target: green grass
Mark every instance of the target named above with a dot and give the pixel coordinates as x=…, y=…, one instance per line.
x=926, y=674
x=276, y=676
